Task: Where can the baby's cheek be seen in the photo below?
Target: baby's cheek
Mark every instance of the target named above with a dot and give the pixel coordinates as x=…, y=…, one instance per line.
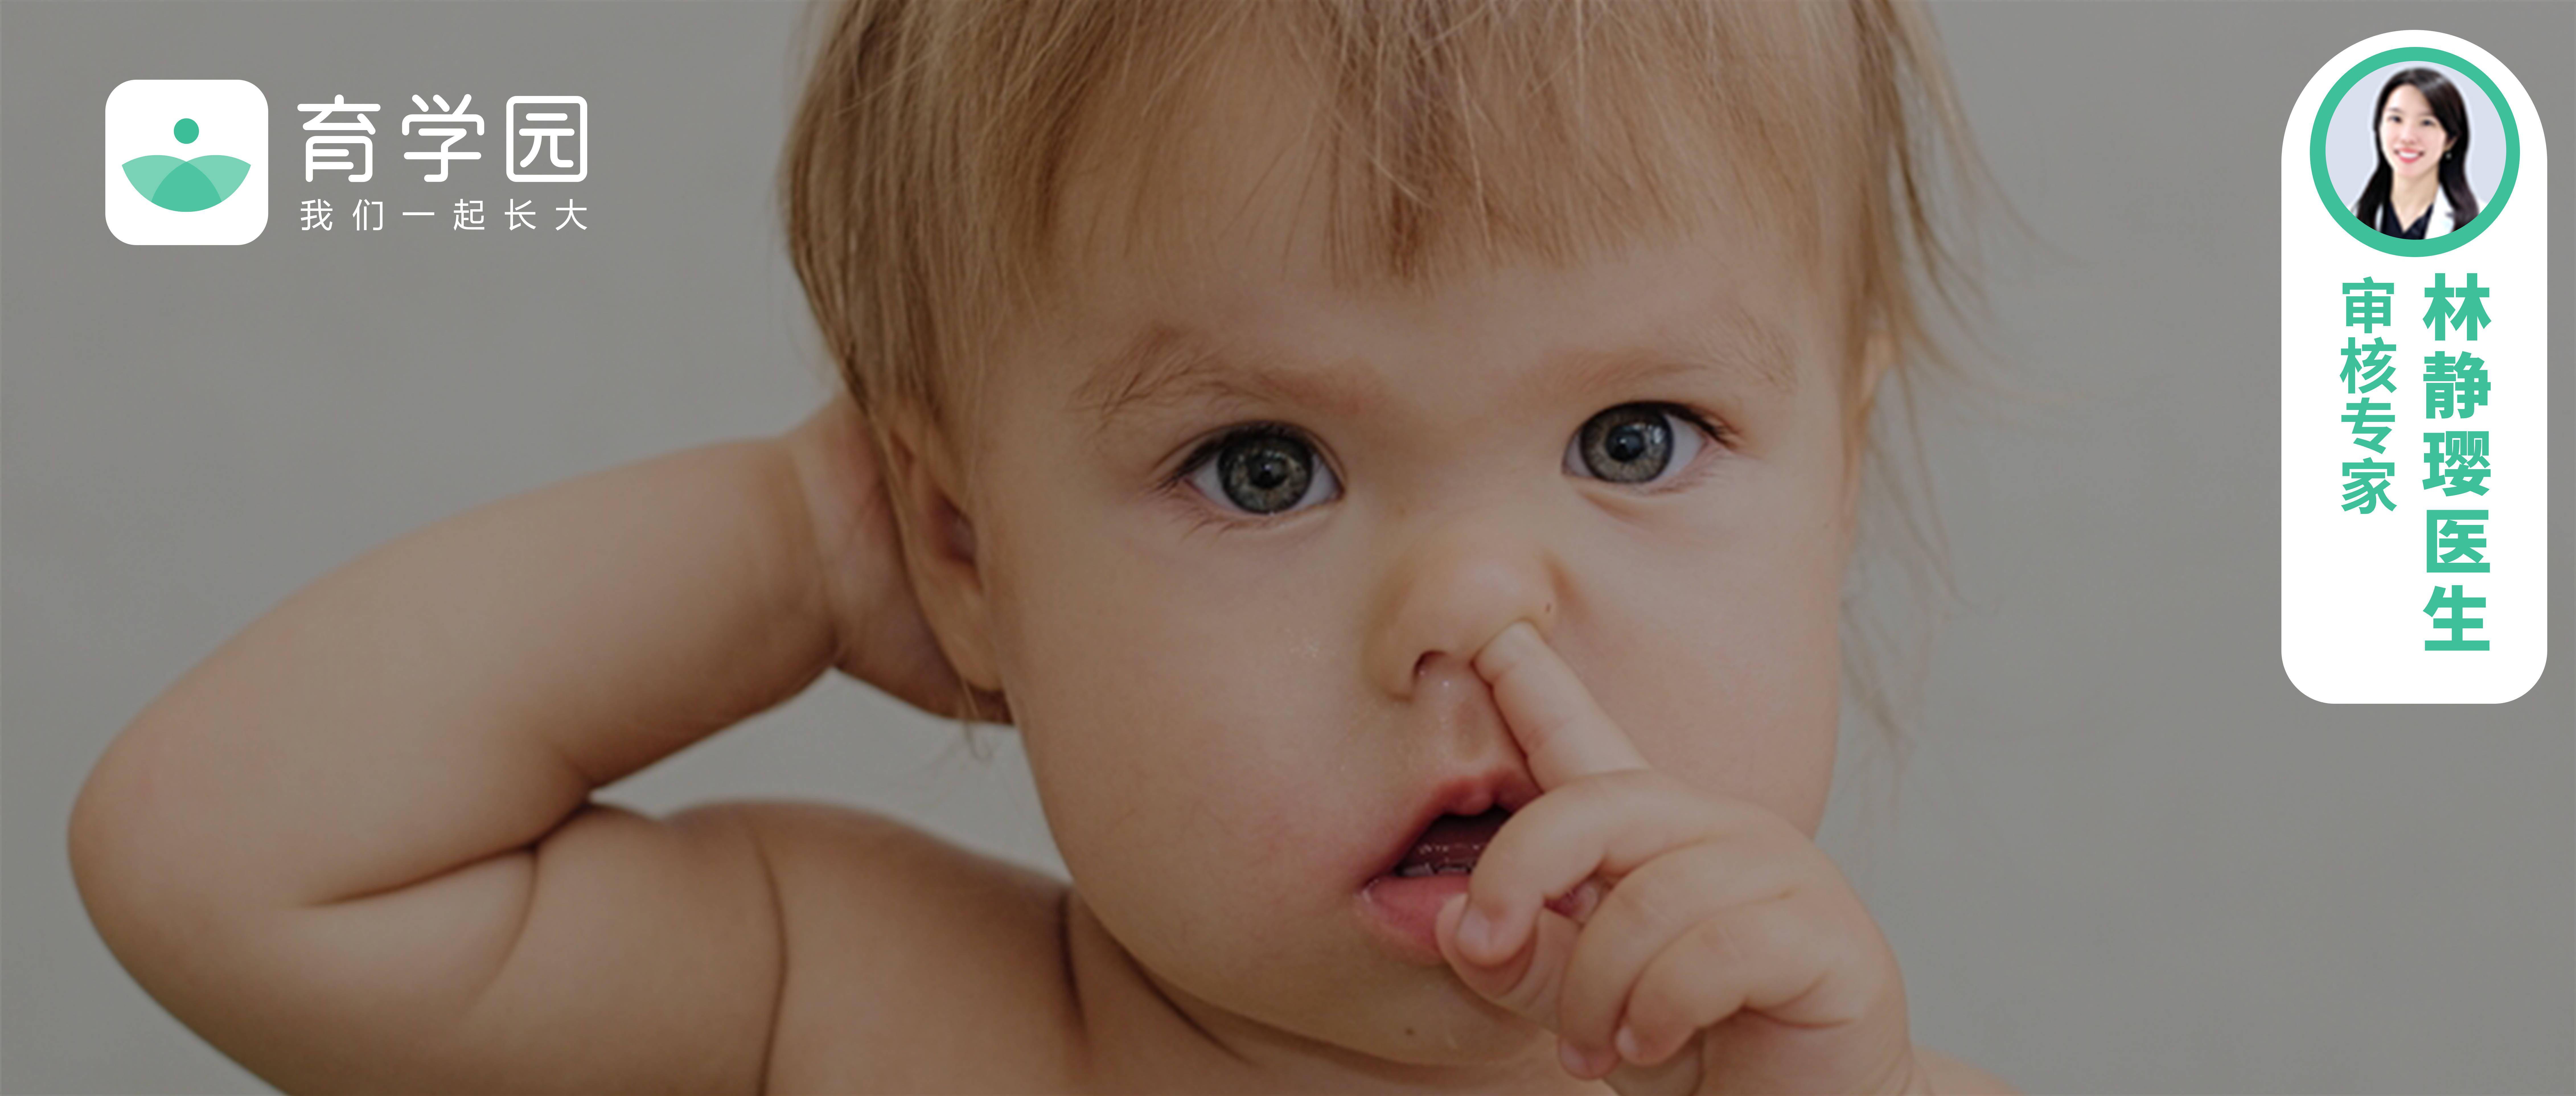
x=1225, y=801
x=1277, y=817
x=1732, y=686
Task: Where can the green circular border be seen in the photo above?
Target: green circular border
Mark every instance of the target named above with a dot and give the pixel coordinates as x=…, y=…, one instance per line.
x=2381, y=241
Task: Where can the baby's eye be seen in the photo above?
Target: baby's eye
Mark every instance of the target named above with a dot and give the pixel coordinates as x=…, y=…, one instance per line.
x=1263, y=470
x=1636, y=442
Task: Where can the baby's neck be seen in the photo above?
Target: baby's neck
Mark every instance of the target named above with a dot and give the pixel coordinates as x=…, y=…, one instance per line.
x=2413, y=197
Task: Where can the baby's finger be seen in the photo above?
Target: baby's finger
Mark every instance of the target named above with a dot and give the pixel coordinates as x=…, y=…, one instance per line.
x=1555, y=719
x=1527, y=982
x=1770, y=957
x=1649, y=909
x=1605, y=826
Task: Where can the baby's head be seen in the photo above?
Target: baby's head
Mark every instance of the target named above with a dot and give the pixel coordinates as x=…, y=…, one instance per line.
x=1242, y=368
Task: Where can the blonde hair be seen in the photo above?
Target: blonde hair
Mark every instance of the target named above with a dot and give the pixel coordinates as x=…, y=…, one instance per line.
x=924, y=174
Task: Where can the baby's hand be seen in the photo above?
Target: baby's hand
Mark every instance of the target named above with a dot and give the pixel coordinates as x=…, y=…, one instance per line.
x=1728, y=954
x=884, y=638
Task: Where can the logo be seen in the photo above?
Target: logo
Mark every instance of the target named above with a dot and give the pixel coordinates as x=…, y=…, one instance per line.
x=187, y=161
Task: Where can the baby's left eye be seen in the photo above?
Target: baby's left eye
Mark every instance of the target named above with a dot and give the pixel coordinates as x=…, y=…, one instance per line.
x=1636, y=442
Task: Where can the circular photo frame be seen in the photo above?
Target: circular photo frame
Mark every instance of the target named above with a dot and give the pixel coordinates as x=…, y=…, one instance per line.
x=2340, y=206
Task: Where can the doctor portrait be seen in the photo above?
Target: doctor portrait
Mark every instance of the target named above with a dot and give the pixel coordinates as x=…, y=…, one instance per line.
x=2420, y=188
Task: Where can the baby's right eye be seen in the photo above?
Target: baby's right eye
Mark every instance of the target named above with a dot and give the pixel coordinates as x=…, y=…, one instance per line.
x=1263, y=470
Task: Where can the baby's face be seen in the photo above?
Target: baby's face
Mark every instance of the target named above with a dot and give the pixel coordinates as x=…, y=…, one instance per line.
x=1242, y=665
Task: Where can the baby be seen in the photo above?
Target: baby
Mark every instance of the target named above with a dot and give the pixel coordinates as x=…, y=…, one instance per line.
x=1394, y=461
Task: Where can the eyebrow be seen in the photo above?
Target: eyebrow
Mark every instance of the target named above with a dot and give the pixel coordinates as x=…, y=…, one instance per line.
x=1172, y=365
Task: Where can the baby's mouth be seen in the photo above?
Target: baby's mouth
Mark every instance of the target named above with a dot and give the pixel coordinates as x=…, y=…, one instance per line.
x=1451, y=844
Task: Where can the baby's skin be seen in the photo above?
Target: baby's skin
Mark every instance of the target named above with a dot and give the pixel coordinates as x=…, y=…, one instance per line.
x=355, y=848
x=1728, y=954
x=1411, y=553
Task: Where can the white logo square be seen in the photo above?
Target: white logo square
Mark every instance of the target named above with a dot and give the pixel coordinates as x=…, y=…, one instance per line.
x=187, y=161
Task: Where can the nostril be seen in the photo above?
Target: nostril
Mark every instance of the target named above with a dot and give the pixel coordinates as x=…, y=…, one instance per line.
x=1420, y=663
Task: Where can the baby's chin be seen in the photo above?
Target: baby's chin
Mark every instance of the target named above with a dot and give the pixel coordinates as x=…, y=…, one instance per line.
x=1460, y=1031
x=1352, y=998
x=1416, y=1017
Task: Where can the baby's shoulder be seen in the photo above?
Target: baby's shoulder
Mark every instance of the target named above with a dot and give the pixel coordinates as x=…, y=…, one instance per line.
x=911, y=963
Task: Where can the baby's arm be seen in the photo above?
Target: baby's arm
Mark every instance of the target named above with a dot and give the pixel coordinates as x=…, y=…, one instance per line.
x=353, y=848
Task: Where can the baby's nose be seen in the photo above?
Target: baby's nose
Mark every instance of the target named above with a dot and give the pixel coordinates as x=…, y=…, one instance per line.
x=1435, y=661
x=1454, y=582
x=1442, y=622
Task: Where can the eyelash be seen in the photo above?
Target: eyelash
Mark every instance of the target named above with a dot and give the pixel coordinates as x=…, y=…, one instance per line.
x=1178, y=481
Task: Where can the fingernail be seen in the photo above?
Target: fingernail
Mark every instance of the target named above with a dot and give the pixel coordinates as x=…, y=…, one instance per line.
x=1599, y=1063
x=1476, y=934
x=1627, y=1040
x=1574, y=1060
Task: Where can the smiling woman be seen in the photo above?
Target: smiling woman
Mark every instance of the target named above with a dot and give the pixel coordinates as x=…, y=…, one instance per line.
x=2421, y=187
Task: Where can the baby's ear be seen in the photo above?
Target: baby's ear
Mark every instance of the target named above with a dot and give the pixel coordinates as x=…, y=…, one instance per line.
x=940, y=549
x=1877, y=356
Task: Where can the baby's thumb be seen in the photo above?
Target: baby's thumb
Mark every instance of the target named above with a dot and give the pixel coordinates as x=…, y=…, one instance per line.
x=1527, y=983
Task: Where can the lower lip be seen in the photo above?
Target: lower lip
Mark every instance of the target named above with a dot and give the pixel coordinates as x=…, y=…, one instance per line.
x=1405, y=911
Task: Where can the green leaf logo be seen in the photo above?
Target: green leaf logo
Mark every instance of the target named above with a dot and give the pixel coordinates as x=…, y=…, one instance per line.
x=186, y=186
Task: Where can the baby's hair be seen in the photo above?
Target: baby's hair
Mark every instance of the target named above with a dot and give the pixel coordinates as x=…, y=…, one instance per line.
x=924, y=177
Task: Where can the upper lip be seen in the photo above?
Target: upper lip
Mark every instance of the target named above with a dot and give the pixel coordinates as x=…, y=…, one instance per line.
x=1507, y=787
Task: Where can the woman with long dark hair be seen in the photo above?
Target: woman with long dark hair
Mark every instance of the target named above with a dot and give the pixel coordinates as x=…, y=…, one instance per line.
x=2422, y=186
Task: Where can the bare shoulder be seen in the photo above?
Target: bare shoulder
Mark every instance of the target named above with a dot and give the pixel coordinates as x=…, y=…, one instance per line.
x=911, y=963
x=1952, y=1077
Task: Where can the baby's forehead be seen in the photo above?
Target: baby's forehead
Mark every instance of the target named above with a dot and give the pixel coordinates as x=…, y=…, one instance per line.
x=1735, y=359
x=1472, y=362
x=1498, y=147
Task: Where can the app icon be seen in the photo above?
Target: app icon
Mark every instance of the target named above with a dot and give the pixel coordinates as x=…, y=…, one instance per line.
x=187, y=162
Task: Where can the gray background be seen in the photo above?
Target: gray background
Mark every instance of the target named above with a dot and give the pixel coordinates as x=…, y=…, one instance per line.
x=2128, y=856
x=2352, y=139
